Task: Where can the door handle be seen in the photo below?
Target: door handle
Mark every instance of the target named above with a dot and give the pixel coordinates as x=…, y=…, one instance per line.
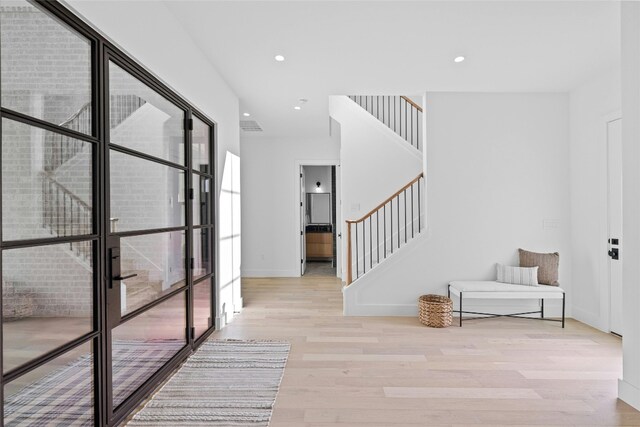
x=128, y=276
x=614, y=253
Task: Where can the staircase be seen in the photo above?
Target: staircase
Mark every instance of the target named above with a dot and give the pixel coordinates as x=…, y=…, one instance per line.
x=59, y=149
x=387, y=227
x=141, y=290
x=398, y=113
x=387, y=132
x=65, y=213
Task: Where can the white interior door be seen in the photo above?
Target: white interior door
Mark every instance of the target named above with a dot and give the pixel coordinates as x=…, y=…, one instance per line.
x=303, y=237
x=614, y=210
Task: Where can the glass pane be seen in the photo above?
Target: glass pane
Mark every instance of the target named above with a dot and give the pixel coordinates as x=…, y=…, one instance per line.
x=144, y=344
x=158, y=260
x=201, y=200
x=200, y=146
x=202, y=307
x=47, y=299
x=142, y=119
x=59, y=393
x=45, y=67
x=201, y=252
x=145, y=195
x=46, y=183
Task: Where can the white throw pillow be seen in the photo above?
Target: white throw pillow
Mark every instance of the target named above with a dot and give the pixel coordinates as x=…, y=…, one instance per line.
x=527, y=276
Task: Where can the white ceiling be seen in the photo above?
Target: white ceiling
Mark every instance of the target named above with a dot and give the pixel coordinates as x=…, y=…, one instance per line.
x=393, y=47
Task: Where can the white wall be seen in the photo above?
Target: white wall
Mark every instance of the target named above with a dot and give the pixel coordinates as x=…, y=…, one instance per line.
x=313, y=174
x=496, y=170
x=375, y=161
x=629, y=385
x=270, y=176
x=230, y=236
x=164, y=47
x=590, y=104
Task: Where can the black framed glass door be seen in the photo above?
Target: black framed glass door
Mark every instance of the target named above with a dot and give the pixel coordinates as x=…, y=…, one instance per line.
x=107, y=253
x=147, y=194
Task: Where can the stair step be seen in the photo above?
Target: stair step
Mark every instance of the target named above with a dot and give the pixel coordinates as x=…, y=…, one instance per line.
x=142, y=293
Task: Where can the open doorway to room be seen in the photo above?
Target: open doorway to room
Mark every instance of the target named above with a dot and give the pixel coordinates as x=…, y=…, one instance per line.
x=319, y=222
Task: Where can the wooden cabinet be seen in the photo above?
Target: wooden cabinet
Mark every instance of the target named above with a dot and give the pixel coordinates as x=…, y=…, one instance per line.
x=319, y=245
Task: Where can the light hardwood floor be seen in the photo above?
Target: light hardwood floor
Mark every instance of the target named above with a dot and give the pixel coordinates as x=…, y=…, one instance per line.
x=391, y=371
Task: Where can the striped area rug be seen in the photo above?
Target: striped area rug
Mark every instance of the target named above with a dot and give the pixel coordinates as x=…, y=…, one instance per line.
x=64, y=397
x=225, y=383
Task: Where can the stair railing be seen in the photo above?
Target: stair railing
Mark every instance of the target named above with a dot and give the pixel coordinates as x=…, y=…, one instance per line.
x=399, y=113
x=384, y=229
x=59, y=149
x=65, y=214
x=122, y=106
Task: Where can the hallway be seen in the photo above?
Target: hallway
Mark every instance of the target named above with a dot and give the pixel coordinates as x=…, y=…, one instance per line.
x=358, y=371
x=320, y=268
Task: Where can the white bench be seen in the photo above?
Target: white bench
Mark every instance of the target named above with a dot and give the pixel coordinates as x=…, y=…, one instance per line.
x=498, y=290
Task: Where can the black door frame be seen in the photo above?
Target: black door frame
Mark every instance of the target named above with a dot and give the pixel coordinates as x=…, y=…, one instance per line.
x=102, y=51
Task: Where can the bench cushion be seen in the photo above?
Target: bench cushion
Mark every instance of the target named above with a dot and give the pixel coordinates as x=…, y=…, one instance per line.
x=492, y=289
x=492, y=286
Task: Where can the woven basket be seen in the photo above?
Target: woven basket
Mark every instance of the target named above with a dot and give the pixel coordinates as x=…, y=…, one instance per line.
x=435, y=310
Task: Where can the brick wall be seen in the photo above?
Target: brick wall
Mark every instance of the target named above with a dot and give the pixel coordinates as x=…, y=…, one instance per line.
x=45, y=66
x=59, y=283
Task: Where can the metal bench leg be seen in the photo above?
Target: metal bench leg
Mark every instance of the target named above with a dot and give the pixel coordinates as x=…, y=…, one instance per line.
x=460, y=309
x=563, y=297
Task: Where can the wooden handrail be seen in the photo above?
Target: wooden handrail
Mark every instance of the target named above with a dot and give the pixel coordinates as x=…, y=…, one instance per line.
x=419, y=108
x=349, y=278
x=349, y=268
x=372, y=211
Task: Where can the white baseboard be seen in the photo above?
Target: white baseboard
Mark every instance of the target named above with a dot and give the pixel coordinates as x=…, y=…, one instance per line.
x=551, y=309
x=629, y=393
x=404, y=310
x=221, y=322
x=588, y=318
x=270, y=273
x=237, y=308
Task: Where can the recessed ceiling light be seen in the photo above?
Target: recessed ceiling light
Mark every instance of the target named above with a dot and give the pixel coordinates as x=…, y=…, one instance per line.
x=246, y=114
x=297, y=107
x=279, y=58
x=458, y=59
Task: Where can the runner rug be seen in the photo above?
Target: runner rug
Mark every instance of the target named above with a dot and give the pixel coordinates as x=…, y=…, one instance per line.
x=224, y=383
x=65, y=396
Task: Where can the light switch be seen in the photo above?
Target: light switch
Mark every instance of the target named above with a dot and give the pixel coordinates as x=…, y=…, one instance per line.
x=550, y=223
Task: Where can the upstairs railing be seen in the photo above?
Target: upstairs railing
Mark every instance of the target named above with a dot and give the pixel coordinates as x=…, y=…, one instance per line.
x=399, y=113
x=122, y=106
x=59, y=149
x=386, y=228
x=65, y=214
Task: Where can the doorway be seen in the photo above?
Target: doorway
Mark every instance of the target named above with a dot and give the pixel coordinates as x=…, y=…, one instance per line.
x=319, y=226
x=614, y=223
x=107, y=223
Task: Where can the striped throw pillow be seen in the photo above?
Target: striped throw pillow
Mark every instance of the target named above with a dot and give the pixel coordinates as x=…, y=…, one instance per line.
x=527, y=276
